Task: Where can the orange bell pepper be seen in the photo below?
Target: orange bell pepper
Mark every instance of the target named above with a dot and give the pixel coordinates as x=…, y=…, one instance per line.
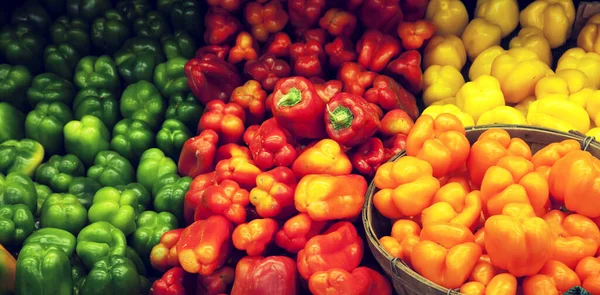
x=405, y=235
x=491, y=146
x=513, y=180
x=517, y=240
x=545, y=158
x=414, y=35
x=480, y=238
x=403, y=170
x=245, y=49
x=265, y=19
x=440, y=141
x=329, y=197
x=588, y=271
x=325, y=157
x=239, y=169
x=408, y=199
x=255, y=236
x=484, y=271
x=251, y=97
x=501, y=284
x=296, y=231
x=274, y=192
x=454, y=204
x=554, y=278
x=446, y=254
x=575, y=237
x=360, y=281
x=164, y=254
x=573, y=180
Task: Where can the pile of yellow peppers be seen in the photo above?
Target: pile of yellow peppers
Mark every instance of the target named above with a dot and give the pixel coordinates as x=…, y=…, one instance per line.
x=515, y=85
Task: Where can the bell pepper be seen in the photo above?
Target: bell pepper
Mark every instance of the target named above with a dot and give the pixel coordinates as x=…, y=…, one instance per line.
x=445, y=50
x=87, y=11
x=179, y=44
x=265, y=275
x=198, y=154
x=100, y=103
x=245, y=48
x=393, y=174
x=355, y=78
x=116, y=207
x=154, y=164
x=339, y=51
x=42, y=192
x=251, y=98
x=226, y=199
x=479, y=35
x=267, y=70
x=171, y=137
x=59, y=172
x=164, y=254
x=414, y=34
x=304, y=35
x=266, y=18
x=8, y=266
x=450, y=17
x=502, y=115
x=185, y=108
x=533, y=39
x=407, y=70
x=396, y=122
x=22, y=156
x=239, y=169
x=503, y=13
x=296, y=231
x=97, y=72
x=482, y=65
x=53, y=238
x=44, y=124
x=22, y=45
x=231, y=150
x=441, y=83
x=34, y=14
x=453, y=203
x=81, y=187
x=307, y=58
x=110, y=31
x=565, y=84
x=211, y=236
x=375, y=49
x=389, y=95
x=169, y=192
x=274, y=192
x=483, y=273
x=327, y=90
x=61, y=59
x=588, y=270
x=278, y=45
x=587, y=38
x=368, y=157
x=98, y=240
x=305, y=13
x=49, y=87
x=17, y=224
x=175, y=281
x=143, y=196
x=131, y=138
x=113, y=274
x=588, y=63
x=338, y=22
x=545, y=158
x=211, y=78
x=217, y=283
x=63, y=211
x=350, y=120
x=137, y=59
x=563, y=115
x=74, y=31
x=503, y=283
x=404, y=236
x=111, y=169
x=195, y=194
x=43, y=269
x=228, y=5
x=15, y=123
x=86, y=138
x=380, y=15
x=142, y=101
x=560, y=15
x=227, y=120
x=554, y=278
x=169, y=77
x=150, y=228
x=325, y=157
x=480, y=95
x=187, y=15
x=255, y=236
x=152, y=25
x=361, y=280
x=394, y=145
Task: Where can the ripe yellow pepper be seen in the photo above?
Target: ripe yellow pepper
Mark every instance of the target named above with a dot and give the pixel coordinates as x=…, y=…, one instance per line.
x=523, y=106
x=559, y=114
x=450, y=17
x=554, y=17
x=479, y=35
x=588, y=37
x=445, y=50
x=502, y=115
x=582, y=96
x=504, y=13
x=441, y=83
x=593, y=107
x=534, y=40
x=595, y=132
x=436, y=110
x=480, y=95
x=562, y=85
x=588, y=63
x=518, y=70
x=482, y=65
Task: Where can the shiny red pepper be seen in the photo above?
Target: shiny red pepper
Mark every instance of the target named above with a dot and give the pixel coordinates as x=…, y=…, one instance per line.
x=193, y=197
x=326, y=90
x=272, y=146
x=387, y=94
x=231, y=150
x=296, y=231
x=164, y=254
x=216, y=283
x=381, y=14
x=278, y=45
x=255, y=236
x=175, y=281
x=211, y=78
x=355, y=78
x=414, y=34
x=267, y=70
x=226, y=119
x=394, y=145
x=274, y=192
x=225, y=199
x=221, y=27
x=198, y=154
x=250, y=132
x=375, y=49
x=368, y=157
x=218, y=50
x=305, y=13
x=307, y=58
x=245, y=48
x=239, y=169
x=414, y=10
x=340, y=50
x=350, y=120
x=261, y=276
x=318, y=34
x=338, y=22
x=266, y=18
x=406, y=69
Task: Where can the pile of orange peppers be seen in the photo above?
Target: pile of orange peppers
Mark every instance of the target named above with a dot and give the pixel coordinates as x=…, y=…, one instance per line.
x=492, y=217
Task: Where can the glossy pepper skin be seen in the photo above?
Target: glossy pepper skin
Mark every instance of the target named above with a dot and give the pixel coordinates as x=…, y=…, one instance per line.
x=414, y=34
x=43, y=269
x=110, y=31
x=59, y=172
x=142, y=195
x=22, y=45
x=396, y=122
x=272, y=146
x=563, y=115
x=15, y=80
x=239, y=169
x=112, y=274
x=195, y=195
x=171, y=137
x=142, y=101
x=587, y=38
x=402, y=240
x=43, y=192
x=152, y=25
x=587, y=270
x=98, y=240
x=504, y=282
x=251, y=97
x=221, y=27
x=97, y=72
x=153, y=164
x=180, y=44
x=554, y=278
x=380, y=15
x=86, y=138
x=479, y=35
x=407, y=70
x=255, y=236
x=274, y=192
x=445, y=50
x=61, y=59
x=164, y=254
x=389, y=95
x=278, y=45
x=338, y=22
x=169, y=191
x=554, y=18
x=49, y=87
x=355, y=78
x=231, y=150
x=350, y=120
x=307, y=58
x=296, y=231
x=368, y=157
x=137, y=59
x=8, y=266
x=198, y=154
x=116, y=207
x=375, y=49
x=327, y=90
x=305, y=13
x=22, y=156
x=324, y=157
x=81, y=187
x=17, y=224
x=225, y=199
x=44, y=124
x=174, y=281
x=150, y=228
x=245, y=48
x=454, y=204
x=479, y=95
x=226, y=119
x=170, y=78
x=74, y=31
x=267, y=70
x=211, y=78
x=111, y=169
x=185, y=108
x=339, y=51
x=63, y=211
x=533, y=38
x=266, y=18
x=265, y=275
x=361, y=280
x=97, y=102
x=131, y=138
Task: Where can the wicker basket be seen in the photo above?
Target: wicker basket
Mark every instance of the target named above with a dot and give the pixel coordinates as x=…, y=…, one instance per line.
x=406, y=280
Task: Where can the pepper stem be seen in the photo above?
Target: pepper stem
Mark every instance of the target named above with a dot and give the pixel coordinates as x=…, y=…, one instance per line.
x=341, y=117
x=290, y=99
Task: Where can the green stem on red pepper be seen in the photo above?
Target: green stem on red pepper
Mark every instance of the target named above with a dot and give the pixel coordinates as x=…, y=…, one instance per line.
x=341, y=117
x=290, y=99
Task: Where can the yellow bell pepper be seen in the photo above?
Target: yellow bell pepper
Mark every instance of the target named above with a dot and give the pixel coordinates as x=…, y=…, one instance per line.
x=445, y=50
x=502, y=115
x=482, y=65
x=554, y=17
x=559, y=114
x=561, y=85
x=504, y=13
x=587, y=62
x=450, y=17
x=480, y=95
x=436, y=110
x=534, y=40
x=479, y=35
x=448, y=100
x=441, y=83
x=595, y=132
x=588, y=37
x=582, y=96
x=523, y=106
x=518, y=70
x=593, y=107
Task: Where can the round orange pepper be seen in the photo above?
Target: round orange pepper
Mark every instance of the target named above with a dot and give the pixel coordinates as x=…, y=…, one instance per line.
x=480, y=238
x=554, y=278
x=545, y=158
x=405, y=235
x=403, y=170
x=410, y=198
x=501, y=284
x=453, y=203
x=588, y=271
x=575, y=237
x=325, y=157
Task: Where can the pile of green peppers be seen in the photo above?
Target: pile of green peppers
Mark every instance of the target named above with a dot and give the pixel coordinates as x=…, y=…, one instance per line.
x=94, y=111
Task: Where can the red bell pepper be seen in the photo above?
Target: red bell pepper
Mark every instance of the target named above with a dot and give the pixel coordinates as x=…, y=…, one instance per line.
x=296, y=231
x=221, y=26
x=216, y=283
x=174, y=282
x=198, y=154
x=265, y=18
x=164, y=254
x=350, y=120
x=274, y=192
x=406, y=69
x=414, y=34
x=255, y=236
x=327, y=90
x=231, y=150
x=338, y=22
x=396, y=122
x=226, y=199
x=226, y=119
x=272, y=146
x=340, y=50
x=368, y=157
x=267, y=70
x=389, y=96
x=205, y=245
x=304, y=35
x=307, y=58
x=211, y=78
x=394, y=145
x=251, y=97
x=298, y=108
x=381, y=14
x=355, y=78
x=305, y=13
x=261, y=276
x=239, y=169
x=361, y=281
x=220, y=51
x=229, y=5
x=414, y=10
x=339, y=247
x=249, y=134
x=278, y=45
x=377, y=110
x=375, y=49
x=245, y=48
x=193, y=197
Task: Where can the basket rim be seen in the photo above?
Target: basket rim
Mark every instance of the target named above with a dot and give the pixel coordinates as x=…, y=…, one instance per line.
x=368, y=208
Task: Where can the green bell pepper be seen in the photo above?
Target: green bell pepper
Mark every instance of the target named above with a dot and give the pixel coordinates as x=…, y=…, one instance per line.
x=116, y=207
x=113, y=274
x=110, y=32
x=164, y=6
x=73, y=31
x=53, y=237
x=150, y=227
x=171, y=137
x=86, y=138
x=16, y=224
x=78, y=274
x=87, y=9
x=180, y=44
x=142, y=101
x=98, y=240
x=43, y=192
x=185, y=108
x=97, y=72
x=63, y=211
x=134, y=256
x=13, y=122
x=14, y=82
x=111, y=169
x=187, y=15
x=33, y=13
x=152, y=24
x=84, y=189
x=131, y=138
x=154, y=164
x=45, y=124
x=43, y=270
x=18, y=188
x=59, y=172
x=49, y=87
x=170, y=78
x=55, y=7
x=133, y=9
x=169, y=192
x=137, y=59
x=61, y=59
x=20, y=44
x=100, y=103
x=20, y=156
x=144, y=199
